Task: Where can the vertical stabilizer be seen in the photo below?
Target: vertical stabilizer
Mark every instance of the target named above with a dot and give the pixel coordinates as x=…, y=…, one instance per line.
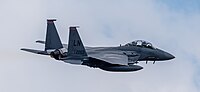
x=52, y=38
x=75, y=48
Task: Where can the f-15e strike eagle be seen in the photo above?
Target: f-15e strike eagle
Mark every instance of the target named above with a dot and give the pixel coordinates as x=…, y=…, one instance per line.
x=123, y=58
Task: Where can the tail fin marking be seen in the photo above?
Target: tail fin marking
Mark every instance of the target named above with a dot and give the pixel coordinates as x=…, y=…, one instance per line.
x=76, y=48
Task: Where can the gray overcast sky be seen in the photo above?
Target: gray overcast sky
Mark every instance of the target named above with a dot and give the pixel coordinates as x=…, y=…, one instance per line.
x=168, y=24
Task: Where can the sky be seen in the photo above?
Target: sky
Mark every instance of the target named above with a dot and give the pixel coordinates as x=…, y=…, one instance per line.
x=171, y=25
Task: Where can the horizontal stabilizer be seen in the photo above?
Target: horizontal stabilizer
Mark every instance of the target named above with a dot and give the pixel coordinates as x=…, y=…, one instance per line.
x=43, y=42
x=39, y=41
x=35, y=51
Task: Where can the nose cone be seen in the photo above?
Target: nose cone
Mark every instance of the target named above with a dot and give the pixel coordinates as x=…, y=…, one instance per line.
x=162, y=55
x=169, y=56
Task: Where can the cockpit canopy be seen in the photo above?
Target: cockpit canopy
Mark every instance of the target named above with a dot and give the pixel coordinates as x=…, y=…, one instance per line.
x=140, y=43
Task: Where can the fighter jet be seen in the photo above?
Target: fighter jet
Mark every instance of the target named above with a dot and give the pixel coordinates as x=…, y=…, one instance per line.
x=123, y=58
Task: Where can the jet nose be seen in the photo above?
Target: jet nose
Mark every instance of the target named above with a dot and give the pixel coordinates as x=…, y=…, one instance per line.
x=169, y=56
x=164, y=55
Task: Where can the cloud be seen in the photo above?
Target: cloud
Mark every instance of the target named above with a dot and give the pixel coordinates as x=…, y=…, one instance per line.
x=103, y=23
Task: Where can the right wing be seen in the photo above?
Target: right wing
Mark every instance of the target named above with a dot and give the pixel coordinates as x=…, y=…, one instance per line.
x=35, y=51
